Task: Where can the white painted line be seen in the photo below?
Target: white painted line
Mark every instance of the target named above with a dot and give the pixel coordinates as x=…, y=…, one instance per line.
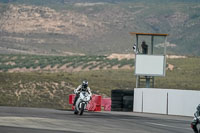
x=157, y=124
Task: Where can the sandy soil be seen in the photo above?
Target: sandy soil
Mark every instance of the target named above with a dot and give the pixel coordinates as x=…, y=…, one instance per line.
x=121, y=56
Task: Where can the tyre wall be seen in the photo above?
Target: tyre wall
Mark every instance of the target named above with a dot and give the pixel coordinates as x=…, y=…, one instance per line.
x=122, y=100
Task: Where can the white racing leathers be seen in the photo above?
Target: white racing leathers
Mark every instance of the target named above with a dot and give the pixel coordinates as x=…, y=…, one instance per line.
x=80, y=88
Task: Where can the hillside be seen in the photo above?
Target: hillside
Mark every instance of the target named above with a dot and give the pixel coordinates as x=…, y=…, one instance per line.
x=38, y=87
x=63, y=27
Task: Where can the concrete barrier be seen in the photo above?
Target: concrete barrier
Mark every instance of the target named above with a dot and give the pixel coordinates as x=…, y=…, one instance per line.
x=183, y=102
x=155, y=101
x=138, y=100
x=166, y=101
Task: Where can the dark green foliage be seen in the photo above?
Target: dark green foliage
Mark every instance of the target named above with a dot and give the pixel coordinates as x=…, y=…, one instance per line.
x=33, y=61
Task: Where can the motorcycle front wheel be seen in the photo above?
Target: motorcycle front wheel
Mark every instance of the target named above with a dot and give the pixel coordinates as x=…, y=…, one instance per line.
x=82, y=109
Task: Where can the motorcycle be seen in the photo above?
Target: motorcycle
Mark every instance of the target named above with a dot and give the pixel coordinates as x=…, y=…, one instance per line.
x=194, y=124
x=82, y=102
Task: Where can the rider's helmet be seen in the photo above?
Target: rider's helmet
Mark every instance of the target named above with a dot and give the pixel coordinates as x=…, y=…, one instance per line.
x=84, y=85
x=198, y=107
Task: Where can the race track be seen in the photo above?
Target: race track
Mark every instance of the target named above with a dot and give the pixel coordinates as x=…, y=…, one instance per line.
x=34, y=120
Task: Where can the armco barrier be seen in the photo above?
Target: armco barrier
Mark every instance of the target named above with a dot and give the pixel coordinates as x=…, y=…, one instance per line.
x=94, y=104
x=106, y=103
x=166, y=101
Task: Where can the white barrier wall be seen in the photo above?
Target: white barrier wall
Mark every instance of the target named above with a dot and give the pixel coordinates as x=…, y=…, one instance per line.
x=183, y=102
x=165, y=101
x=137, y=104
x=157, y=99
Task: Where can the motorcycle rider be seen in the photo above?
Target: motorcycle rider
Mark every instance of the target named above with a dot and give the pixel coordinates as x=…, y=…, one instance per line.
x=80, y=88
x=196, y=120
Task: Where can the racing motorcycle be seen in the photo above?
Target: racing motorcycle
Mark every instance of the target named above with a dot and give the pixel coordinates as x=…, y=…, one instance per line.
x=82, y=102
x=194, y=124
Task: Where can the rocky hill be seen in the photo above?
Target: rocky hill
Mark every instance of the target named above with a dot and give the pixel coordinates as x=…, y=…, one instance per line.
x=66, y=27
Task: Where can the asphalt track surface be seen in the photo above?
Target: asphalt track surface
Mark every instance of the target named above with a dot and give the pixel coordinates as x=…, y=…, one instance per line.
x=39, y=120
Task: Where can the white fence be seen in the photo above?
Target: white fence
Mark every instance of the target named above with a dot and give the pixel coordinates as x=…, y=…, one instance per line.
x=166, y=101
